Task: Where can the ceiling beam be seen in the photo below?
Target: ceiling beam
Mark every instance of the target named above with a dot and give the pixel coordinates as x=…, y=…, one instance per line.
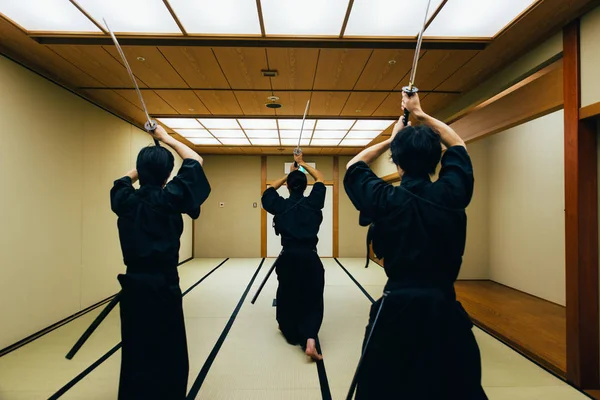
x=269, y=91
x=450, y=44
x=177, y=21
x=435, y=14
x=346, y=18
x=261, y=18
x=88, y=16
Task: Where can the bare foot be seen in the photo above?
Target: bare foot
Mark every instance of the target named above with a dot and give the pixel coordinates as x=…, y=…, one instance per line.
x=311, y=350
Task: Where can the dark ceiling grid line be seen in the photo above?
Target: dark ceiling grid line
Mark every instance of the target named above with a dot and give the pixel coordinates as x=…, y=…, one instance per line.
x=435, y=14
x=380, y=104
x=88, y=16
x=346, y=18
x=386, y=44
x=261, y=19
x=167, y=103
x=121, y=62
x=269, y=67
x=363, y=70
x=175, y=17
x=284, y=90
x=312, y=88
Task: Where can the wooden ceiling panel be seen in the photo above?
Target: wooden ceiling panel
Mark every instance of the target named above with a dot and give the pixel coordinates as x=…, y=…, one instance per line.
x=117, y=104
x=365, y=103
x=183, y=101
x=293, y=103
x=379, y=74
x=197, y=66
x=242, y=66
x=97, y=62
x=435, y=102
x=437, y=67
x=17, y=45
x=296, y=67
x=391, y=106
x=328, y=103
x=155, y=71
x=339, y=69
x=154, y=103
x=219, y=102
x=253, y=103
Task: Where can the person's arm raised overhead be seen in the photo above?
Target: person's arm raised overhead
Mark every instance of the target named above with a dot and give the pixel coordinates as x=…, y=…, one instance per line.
x=315, y=173
x=448, y=136
x=184, y=151
x=372, y=153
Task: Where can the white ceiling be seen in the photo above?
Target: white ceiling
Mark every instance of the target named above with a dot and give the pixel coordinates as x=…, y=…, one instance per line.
x=299, y=18
x=277, y=132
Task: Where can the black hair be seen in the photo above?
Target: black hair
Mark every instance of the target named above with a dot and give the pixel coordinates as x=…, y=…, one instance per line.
x=154, y=165
x=297, y=182
x=417, y=150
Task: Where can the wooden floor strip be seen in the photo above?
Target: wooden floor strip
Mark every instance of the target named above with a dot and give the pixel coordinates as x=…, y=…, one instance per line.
x=533, y=326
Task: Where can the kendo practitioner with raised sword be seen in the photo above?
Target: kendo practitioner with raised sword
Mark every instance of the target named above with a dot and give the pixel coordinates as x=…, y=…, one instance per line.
x=299, y=269
x=154, y=362
x=421, y=344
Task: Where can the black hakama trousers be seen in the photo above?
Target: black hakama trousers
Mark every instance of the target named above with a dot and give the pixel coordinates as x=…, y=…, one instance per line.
x=422, y=348
x=154, y=364
x=300, y=294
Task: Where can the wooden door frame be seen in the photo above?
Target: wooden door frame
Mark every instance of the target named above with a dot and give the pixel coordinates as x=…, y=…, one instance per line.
x=336, y=194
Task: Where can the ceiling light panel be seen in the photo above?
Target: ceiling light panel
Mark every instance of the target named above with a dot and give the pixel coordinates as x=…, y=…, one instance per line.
x=394, y=18
x=362, y=134
x=295, y=134
x=324, y=142
x=265, y=142
x=355, y=142
x=194, y=133
x=47, y=15
x=294, y=142
x=219, y=123
x=235, y=142
x=262, y=134
x=476, y=18
x=334, y=124
x=372, y=125
x=185, y=123
x=230, y=133
x=309, y=124
x=304, y=18
x=258, y=123
x=223, y=17
x=329, y=134
x=204, y=141
x=132, y=16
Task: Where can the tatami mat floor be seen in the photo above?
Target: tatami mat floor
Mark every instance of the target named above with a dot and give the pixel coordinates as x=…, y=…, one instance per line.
x=254, y=361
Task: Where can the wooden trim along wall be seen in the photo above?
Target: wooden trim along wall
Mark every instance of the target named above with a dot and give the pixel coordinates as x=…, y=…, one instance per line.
x=581, y=226
x=263, y=212
x=336, y=206
x=593, y=110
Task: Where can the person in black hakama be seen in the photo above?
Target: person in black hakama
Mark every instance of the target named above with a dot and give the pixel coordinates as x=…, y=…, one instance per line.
x=299, y=269
x=154, y=362
x=422, y=346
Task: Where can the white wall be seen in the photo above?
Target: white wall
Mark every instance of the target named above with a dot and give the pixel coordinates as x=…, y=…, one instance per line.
x=526, y=192
x=59, y=248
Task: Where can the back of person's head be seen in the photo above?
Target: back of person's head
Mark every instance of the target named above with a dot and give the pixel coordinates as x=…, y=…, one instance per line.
x=417, y=150
x=154, y=165
x=297, y=182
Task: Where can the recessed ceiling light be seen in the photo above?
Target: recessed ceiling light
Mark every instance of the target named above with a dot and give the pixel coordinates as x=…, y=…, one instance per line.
x=141, y=59
x=358, y=111
x=191, y=109
x=392, y=62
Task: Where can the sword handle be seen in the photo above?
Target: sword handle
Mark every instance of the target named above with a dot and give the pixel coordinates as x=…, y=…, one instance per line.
x=150, y=127
x=410, y=91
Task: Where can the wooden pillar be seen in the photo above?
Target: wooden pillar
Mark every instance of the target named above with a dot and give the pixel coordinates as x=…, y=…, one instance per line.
x=581, y=225
x=263, y=213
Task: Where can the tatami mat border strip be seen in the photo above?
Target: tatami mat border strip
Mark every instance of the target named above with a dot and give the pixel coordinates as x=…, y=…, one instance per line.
x=112, y=351
x=323, y=381
x=362, y=289
x=213, y=354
